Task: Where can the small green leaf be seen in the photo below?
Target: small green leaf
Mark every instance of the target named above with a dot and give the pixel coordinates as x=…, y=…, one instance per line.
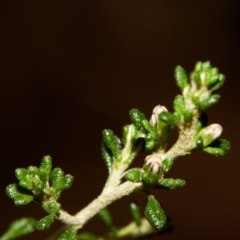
x=18, y=197
x=27, y=182
x=152, y=136
x=22, y=199
x=68, y=180
x=112, y=142
x=19, y=228
x=154, y=213
x=198, y=67
x=70, y=234
x=46, y=164
x=87, y=236
x=196, y=78
x=181, y=77
x=38, y=186
x=172, y=183
x=167, y=118
x=133, y=175
x=135, y=211
x=105, y=215
x=209, y=102
x=149, y=145
x=107, y=156
x=56, y=177
x=12, y=190
x=45, y=223
x=51, y=208
x=219, y=84
x=33, y=170
x=179, y=104
x=218, y=148
x=50, y=191
x=129, y=133
x=199, y=143
x=147, y=126
x=167, y=163
x=206, y=65
x=137, y=117
x=211, y=76
x=20, y=173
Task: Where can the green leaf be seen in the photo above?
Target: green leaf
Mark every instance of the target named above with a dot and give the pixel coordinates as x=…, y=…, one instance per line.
x=51, y=208
x=105, y=215
x=33, y=170
x=147, y=126
x=179, y=104
x=154, y=213
x=107, y=156
x=70, y=234
x=199, y=143
x=18, y=197
x=137, y=117
x=22, y=199
x=87, y=236
x=167, y=163
x=198, y=67
x=149, y=145
x=129, y=133
x=133, y=175
x=219, y=84
x=171, y=183
x=206, y=65
x=56, y=177
x=46, y=164
x=135, y=211
x=45, y=223
x=20, y=173
x=67, y=181
x=19, y=228
x=211, y=76
x=181, y=77
x=50, y=191
x=209, y=102
x=167, y=118
x=27, y=182
x=112, y=142
x=12, y=190
x=218, y=148
x=197, y=79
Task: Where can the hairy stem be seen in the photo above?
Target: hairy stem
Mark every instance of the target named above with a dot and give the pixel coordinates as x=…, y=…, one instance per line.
x=102, y=201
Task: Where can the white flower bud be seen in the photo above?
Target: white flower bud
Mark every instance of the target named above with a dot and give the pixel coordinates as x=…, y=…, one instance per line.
x=154, y=162
x=156, y=112
x=210, y=133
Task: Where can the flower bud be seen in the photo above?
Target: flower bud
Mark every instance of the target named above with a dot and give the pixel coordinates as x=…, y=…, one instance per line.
x=153, y=170
x=210, y=133
x=153, y=163
x=156, y=112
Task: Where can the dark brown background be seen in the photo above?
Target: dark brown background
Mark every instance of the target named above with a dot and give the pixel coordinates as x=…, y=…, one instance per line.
x=69, y=69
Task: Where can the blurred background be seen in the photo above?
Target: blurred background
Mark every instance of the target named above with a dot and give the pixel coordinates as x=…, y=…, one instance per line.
x=69, y=69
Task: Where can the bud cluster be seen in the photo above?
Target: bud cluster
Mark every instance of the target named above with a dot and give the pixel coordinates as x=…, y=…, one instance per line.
x=204, y=80
x=42, y=185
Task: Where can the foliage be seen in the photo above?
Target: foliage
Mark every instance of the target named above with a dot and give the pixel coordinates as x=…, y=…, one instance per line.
x=44, y=185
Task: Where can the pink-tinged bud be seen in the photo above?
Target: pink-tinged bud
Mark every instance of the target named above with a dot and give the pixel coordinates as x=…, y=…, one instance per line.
x=153, y=163
x=210, y=133
x=152, y=170
x=156, y=112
